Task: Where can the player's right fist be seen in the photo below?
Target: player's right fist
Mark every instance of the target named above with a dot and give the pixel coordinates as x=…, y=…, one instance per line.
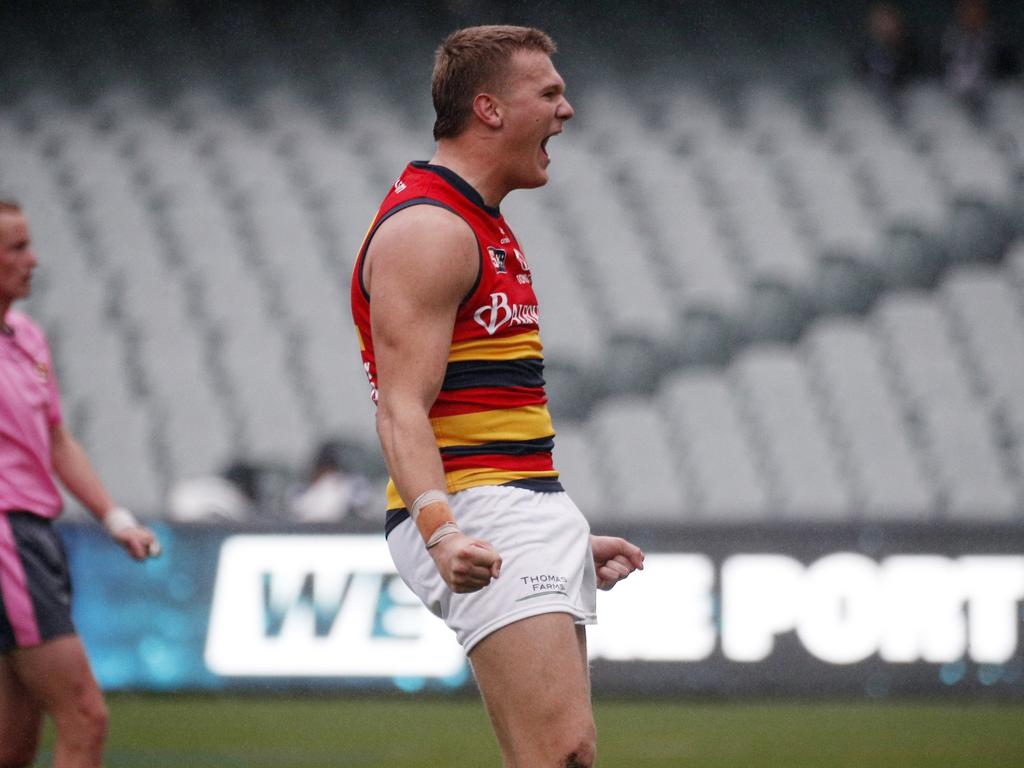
x=465, y=564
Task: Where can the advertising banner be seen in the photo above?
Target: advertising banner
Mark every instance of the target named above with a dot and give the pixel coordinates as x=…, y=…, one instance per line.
x=866, y=611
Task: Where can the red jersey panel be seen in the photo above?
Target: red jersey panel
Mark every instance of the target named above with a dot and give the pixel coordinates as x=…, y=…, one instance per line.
x=491, y=418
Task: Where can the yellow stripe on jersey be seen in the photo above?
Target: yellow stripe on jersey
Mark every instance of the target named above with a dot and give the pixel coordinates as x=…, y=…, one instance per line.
x=394, y=499
x=523, y=345
x=461, y=479
x=359, y=336
x=502, y=425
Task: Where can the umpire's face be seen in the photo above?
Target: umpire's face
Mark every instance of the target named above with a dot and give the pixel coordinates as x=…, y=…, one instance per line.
x=17, y=259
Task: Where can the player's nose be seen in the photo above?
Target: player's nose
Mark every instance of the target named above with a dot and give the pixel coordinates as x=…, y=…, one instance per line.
x=565, y=110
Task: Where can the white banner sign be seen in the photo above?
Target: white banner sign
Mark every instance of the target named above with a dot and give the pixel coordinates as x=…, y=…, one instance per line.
x=321, y=606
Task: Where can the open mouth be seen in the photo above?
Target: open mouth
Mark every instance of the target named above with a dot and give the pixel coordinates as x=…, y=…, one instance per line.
x=544, y=144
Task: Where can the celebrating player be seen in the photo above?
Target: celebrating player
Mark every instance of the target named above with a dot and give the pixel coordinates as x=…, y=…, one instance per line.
x=478, y=523
x=43, y=667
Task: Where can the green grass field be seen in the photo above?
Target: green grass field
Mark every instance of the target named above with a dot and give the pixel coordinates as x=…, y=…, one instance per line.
x=307, y=732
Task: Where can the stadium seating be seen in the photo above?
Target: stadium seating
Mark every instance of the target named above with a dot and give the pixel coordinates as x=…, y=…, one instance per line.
x=803, y=466
x=848, y=366
x=714, y=447
x=762, y=298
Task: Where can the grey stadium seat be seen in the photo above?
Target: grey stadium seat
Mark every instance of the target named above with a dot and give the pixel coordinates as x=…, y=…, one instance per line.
x=888, y=479
x=705, y=281
x=988, y=315
x=644, y=482
x=706, y=424
x=778, y=261
x=801, y=464
x=956, y=433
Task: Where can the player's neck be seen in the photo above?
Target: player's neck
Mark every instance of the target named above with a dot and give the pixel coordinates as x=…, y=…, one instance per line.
x=474, y=165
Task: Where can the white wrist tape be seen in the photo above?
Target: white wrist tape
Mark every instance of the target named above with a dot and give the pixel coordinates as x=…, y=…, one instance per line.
x=425, y=499
x=445, y=529
x=119, y=519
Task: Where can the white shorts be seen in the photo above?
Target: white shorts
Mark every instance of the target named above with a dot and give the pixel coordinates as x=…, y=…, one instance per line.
x=546, y=561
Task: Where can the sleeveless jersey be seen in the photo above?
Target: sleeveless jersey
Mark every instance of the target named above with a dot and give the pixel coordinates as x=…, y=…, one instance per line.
x=491, y=417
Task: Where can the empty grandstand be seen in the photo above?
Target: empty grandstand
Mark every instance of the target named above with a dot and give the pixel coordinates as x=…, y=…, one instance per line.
x=824, y=294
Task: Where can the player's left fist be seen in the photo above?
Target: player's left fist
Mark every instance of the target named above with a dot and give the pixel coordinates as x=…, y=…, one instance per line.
x=137, y=540
x=614, y=559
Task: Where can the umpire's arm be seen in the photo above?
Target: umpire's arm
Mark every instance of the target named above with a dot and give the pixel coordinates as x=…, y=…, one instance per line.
x=76, y=473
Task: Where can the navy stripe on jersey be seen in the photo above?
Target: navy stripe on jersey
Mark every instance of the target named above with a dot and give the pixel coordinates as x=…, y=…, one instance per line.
x=505, y=448
x=538, y=484
x=469, y=374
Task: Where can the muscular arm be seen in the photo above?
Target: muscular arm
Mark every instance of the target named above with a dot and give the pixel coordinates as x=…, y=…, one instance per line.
x=75, y=471
x=420, y=264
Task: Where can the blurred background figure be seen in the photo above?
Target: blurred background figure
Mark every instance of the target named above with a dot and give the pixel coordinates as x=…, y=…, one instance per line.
x=974, y=54
x=337, y=488
x=227, y=497
x=889, y=57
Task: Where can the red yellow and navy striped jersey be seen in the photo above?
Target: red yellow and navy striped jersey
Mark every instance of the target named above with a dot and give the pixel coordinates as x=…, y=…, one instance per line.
x=491, y=417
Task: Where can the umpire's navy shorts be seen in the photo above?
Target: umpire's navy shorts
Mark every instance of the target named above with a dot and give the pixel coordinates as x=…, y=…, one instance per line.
x=35, y=586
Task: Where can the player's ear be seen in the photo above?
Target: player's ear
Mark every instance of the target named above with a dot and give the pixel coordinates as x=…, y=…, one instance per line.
x=488, y=110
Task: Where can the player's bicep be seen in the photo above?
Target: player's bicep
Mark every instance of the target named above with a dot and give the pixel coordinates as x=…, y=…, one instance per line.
x=410, y=342
x=420, y=264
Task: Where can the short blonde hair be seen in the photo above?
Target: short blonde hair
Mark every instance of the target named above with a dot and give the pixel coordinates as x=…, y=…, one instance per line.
x=473, y=59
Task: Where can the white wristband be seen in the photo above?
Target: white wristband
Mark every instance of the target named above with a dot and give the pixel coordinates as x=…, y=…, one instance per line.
x=119, y=519
x=425, y=499
x=445, y=529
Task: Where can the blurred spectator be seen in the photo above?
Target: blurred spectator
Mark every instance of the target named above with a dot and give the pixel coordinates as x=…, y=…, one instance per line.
x=228, y=497
x=336, y=487
x=889, y=57
x=973, y=54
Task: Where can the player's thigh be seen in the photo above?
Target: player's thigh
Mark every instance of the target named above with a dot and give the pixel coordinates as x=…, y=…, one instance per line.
x=534, y=677
x=58, y=675
x=20, y=716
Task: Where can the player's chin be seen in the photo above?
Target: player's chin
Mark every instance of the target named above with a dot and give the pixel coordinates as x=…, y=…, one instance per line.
x=538, y=178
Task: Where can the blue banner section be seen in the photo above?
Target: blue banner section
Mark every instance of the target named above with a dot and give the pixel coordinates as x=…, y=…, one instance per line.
x=144, y=624
x=866, y=611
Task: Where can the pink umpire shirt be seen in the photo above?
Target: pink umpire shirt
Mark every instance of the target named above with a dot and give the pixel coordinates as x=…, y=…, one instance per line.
x=29, y=408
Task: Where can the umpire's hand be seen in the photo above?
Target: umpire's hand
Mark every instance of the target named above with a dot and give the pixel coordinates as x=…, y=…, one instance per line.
x=137, y=540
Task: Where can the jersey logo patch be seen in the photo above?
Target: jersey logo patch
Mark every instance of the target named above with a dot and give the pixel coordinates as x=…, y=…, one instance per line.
x=498, y=256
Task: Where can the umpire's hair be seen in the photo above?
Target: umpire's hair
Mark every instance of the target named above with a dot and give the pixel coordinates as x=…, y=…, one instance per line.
x=471, y=60
x=9, y=206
